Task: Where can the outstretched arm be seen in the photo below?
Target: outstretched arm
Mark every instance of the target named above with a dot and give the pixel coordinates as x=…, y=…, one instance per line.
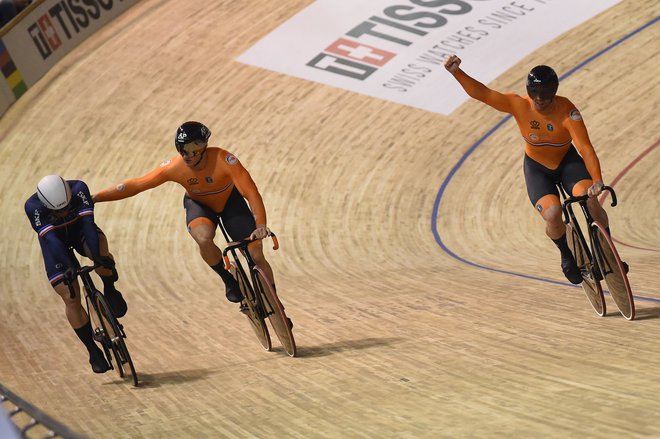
x=476, y=89
x=133, y=186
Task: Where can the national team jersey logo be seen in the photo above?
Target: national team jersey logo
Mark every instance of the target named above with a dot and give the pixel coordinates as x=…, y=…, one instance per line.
x=209, y=180
x=231, y=159
x=550, y=127
x=575, y=115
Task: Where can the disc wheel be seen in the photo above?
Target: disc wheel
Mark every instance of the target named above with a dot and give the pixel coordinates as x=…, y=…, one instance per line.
x=252, y=308
x=276, y=315
x=114, y=332
x=613, y=272
x=590, y=283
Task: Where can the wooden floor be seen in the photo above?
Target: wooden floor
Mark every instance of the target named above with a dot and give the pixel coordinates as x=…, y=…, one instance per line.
x=419, y=312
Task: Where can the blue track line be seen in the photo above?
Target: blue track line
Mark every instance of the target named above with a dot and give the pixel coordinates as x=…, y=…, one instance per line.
x=468, y=153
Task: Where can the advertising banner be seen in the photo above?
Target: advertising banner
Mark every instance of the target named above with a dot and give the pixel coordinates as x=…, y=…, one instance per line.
x=395, y=49
x=53, y=29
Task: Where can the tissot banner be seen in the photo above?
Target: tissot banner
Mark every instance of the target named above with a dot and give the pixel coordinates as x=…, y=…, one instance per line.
x=395, y=49
x=53, y=29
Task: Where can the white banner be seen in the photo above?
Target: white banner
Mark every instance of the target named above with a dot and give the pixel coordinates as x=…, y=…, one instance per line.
x=53, y=29
x=394, y=49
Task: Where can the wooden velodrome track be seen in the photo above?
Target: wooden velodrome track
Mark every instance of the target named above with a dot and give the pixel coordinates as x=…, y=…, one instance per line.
x=427, y=302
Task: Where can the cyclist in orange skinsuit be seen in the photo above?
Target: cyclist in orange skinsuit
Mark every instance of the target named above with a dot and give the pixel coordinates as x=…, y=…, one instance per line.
x=549, y=125
x=216, y=186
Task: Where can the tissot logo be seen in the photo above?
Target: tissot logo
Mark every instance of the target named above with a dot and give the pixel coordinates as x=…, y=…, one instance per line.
x=65, y=18
x=372, y=43
x=395, y=50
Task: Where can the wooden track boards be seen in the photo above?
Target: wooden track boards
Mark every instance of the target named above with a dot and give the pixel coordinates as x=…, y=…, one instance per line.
x=396, y=338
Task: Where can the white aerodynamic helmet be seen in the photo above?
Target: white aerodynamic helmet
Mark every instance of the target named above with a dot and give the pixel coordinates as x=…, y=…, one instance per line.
x=54, y=192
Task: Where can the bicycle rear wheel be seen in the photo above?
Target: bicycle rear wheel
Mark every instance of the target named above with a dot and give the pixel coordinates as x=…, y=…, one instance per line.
x=276, y=315
x=613, y=271
x=590, y=283
x=114, y=332
x=252, y=308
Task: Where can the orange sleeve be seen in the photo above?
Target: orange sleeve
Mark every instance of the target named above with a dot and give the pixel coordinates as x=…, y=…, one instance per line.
x=134, y=186
x=578, y=131
x=248, y=189
x=477, y=90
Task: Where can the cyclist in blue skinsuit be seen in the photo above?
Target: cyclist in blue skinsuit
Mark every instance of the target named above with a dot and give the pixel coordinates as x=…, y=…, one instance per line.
x=62, y=214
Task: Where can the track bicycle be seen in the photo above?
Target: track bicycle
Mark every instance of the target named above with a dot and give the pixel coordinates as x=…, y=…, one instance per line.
x=598, y=258
x=260, y=300
x=106, y=328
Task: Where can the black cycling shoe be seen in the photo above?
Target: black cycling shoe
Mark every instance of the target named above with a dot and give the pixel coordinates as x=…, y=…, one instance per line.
x=98, y=362
x=571, y=270
x=233, y=291
x=117, y=303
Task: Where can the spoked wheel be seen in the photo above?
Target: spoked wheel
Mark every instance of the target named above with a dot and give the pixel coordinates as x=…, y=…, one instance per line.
x=252, y=308
x=276, y=315
x=614, y=272
x=114, y=333
x=590, y=283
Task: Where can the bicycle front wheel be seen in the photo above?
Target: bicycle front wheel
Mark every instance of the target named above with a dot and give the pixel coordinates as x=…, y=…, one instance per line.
x=252, y=308
x=276, y=315
x=613, y=271
x=114, y=332
x=590, y=283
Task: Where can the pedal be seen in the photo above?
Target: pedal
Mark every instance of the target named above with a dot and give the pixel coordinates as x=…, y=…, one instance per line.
x=98, y=335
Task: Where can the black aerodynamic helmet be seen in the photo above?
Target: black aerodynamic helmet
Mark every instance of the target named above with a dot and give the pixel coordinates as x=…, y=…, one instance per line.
x=542, y=81
x=189, y=132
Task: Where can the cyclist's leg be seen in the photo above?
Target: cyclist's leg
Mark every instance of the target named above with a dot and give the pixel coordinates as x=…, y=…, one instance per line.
x=576, y=180
x=75, y=314
x=202, y=224
x=108, y=276
x=542, y=192
x=256, y=250
x=239, y=223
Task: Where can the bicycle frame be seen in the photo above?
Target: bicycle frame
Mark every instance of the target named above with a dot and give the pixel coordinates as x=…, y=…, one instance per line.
x=597, y=262
x=570, y=215
x=110, y=344
x=261, y=300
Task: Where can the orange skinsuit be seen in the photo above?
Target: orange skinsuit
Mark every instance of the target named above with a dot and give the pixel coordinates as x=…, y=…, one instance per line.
x=210, y=186
x=547, y=135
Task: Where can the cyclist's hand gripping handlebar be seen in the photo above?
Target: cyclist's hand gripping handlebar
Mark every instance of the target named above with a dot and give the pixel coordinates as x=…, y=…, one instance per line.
x=70, y=276
x=581, y=198
x=243, y=245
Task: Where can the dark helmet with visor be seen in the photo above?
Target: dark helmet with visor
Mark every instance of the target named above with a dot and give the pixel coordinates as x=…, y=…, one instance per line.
x=542, y=82
x=190, y=132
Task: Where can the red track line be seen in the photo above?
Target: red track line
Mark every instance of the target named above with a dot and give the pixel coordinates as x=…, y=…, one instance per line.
x=619, y=177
